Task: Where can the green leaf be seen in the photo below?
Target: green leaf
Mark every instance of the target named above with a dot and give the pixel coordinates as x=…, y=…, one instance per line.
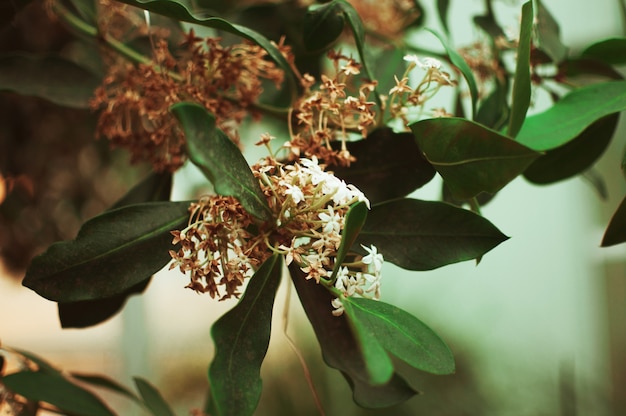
x=354, y=220
x=616, y=231
x=241, y=339
x=572, y=68
x=111, y=253
x=88, y=313
x=549, y=35
x=51, y=77
x=220, y=160
x=152, y=398
x=404, y=336
x=322, y=26
x=377, y=363
x=571, y=115
x=471, y=158
x=106, y=383
x=156, y=187
x=340, y=348
x=521, y=81
x=442, y=12
x=57, y=391
x=494, y=110
x=424, y=235
x=575, y=156
x=458, y=61
x=611, y=51
x=388, y=165
x=180, y=10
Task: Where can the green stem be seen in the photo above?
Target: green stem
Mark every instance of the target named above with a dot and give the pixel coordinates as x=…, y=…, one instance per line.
x=84, y=28
x=474, y=205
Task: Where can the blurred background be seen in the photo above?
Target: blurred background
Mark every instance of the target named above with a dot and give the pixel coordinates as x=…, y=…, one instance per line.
x=538, y=327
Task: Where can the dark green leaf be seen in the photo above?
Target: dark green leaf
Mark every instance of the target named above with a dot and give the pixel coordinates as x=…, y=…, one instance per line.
x=404, y=336
x=424, y=235
x=596, y=180
x=575, y=156
x=92, y=312
x=571, y=115
x=396, y=391
x=340, y=348
x=549, y=34
x=106, y=383
x=42, y=365
x=354, y=220
x=489, y=25
x=323, y=24
x=442, y=10
x=57, y=391
x=610, y=51
x=112, y=253
x=458, y=61
x=241, y=339
x=388, y=165
x=50, y=77
x=493, y=111
x=156, y=187
x=471, y=158
x=377, y=363
x=584, y=67
x=521, y=80
x=152, y=398
x=616, y=231
x=180, y=10
x=220, y=160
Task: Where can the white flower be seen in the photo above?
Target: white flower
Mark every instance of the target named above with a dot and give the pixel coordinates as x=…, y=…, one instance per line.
x=332, y=221
x=338, y=307
x=426, y=63
x=373, y=259
x=296, y=193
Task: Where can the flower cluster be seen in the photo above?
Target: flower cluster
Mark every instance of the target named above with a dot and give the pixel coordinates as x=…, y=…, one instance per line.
x=309, y=207
x=135, y=99
x=388, y=19
x=402, y=96
x=484, y=65
x=329, y=113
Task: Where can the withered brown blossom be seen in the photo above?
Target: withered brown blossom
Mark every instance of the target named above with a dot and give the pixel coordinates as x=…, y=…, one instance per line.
x=329, y=113
x=135, y=99
x=484, y=65
x=389, y=18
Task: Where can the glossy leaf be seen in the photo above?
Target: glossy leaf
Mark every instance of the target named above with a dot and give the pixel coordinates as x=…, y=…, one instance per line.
x=404, y=336
x=548, y=36
x=180, y=10
x=378, y=365
x=458, y=61
x=220, y=160
x=616, y=230
x=51, y=77
x=575, y=156
x=152, y=398
x=155, y=187
x=571, y=115
x=353, y=222
x=424, y=235
x=388, y=165
x=340, y=348
x=521, y=80
x=611, y=51
x=322, y=26
x=471, y=158
x=88, y=313
x=56, y=390
x=111, y=253
x=241, y=339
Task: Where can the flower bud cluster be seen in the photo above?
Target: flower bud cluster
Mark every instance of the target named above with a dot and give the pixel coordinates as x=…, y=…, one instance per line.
x=223, y=244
